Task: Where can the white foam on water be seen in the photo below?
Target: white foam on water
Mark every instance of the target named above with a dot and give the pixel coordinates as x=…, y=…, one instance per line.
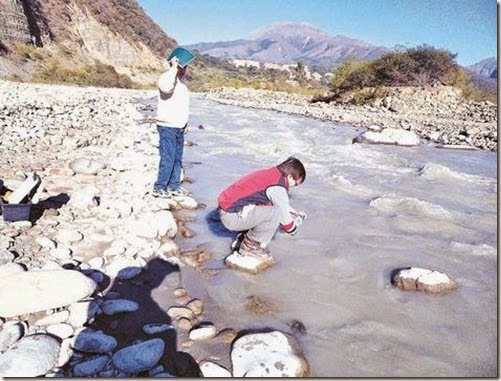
x=347, y=186
x=441, y=172
x=410, y=206
x=480, y=250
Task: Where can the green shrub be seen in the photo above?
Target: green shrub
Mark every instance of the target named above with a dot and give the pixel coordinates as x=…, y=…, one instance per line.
x=28, y=51
x=420, y=66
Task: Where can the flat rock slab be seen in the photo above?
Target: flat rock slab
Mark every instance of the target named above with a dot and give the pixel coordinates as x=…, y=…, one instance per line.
x=32, y=356
x=248, y=264
x=33, y=291
x=272, y=354
x=418, y=279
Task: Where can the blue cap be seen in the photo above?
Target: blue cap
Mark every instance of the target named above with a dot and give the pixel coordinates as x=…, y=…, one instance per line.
x=184, y=56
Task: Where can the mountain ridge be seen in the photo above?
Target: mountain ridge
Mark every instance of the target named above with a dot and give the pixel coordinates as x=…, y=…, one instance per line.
x=286, y=43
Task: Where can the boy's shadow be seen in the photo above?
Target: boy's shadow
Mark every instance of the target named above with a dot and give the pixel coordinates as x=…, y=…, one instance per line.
x=152, y=290
x=216, y=226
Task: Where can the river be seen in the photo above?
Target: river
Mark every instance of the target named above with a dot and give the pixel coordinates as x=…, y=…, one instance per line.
x=371, y=209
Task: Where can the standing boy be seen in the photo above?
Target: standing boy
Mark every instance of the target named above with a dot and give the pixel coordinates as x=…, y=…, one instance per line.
x=173, y=109
x=258, y=204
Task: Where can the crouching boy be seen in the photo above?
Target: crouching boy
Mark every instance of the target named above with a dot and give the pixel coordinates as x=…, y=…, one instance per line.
x=258, y=204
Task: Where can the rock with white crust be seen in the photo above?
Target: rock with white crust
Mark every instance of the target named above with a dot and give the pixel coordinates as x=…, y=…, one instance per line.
x=418, y=279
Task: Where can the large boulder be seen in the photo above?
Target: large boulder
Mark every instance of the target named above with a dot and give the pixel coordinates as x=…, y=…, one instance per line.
x=33, y=291
x=389, y=136
x=272, y=354
x=32, y=356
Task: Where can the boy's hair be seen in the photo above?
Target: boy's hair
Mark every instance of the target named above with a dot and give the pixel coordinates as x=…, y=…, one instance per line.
x=293, y=167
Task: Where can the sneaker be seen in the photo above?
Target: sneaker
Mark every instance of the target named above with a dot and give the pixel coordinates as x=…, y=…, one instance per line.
x=175, y=193
x=252, y=248
x=184, y=191
x=160, y=193
x=235, y=245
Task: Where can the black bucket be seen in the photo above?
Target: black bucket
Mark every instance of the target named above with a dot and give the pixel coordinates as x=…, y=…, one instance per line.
x=16, y=212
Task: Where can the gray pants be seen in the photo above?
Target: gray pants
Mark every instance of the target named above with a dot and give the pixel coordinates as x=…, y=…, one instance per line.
x=262, y=222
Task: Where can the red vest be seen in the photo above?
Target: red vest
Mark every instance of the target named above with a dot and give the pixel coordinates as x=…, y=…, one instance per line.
x=250, y=189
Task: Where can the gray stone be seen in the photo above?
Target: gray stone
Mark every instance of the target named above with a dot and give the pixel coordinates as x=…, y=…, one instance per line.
x=5, y=257
x=32, y=356
x=116, y=306
x=93, y=342
x=90, y=367
x=139, y=357
x=154, y=328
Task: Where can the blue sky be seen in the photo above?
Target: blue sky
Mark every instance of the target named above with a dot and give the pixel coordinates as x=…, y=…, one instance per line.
x=465, y=27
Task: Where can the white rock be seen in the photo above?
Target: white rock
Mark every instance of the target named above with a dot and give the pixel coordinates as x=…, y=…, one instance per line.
x=61, y=253
x=10, y=334
x=41, y=290
x=169, y=248
x=5, y=256
x=248, y=264
x=389, y=136
x=187, y=202
x=83, y=312
x=203, y=332
x=68, y=236
x=166, y=223
x=122, y=268
x=11, y=268
x=418, y=279
x=60, y=330
x=116, y=306
x=55, y=318
x=65, y=353
x=85, y=166
x=84, y=198
x=272, y=354
x=116, y=248
x=96, y=262
x=45, y=242
x=211, y=369
x=139, y=357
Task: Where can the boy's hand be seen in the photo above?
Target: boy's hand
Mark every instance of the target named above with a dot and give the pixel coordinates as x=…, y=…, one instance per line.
x=174, y=61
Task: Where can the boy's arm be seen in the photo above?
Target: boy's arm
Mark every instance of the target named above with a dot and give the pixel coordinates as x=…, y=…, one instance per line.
x=167, y=80
x=279, y=197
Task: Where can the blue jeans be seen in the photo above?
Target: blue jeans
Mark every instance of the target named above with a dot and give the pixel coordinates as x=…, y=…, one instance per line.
x=171, y=154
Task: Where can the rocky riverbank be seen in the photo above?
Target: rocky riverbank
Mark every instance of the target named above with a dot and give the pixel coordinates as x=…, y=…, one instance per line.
x=435, y=114
x=93, y=282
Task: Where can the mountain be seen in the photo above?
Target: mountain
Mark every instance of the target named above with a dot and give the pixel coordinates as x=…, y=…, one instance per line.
x=292, y=43
x=38, y=33
x=486, y=68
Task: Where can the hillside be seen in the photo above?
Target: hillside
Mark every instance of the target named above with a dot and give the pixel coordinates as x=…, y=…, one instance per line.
x=292, y=43
x=74, y=33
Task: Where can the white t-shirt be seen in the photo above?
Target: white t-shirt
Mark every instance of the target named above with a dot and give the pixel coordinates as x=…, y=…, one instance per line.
x=173, y=105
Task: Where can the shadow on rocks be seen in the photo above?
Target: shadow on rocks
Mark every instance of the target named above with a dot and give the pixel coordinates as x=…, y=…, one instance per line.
x=54, y=202
x=216, y=226
x=152, y=290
